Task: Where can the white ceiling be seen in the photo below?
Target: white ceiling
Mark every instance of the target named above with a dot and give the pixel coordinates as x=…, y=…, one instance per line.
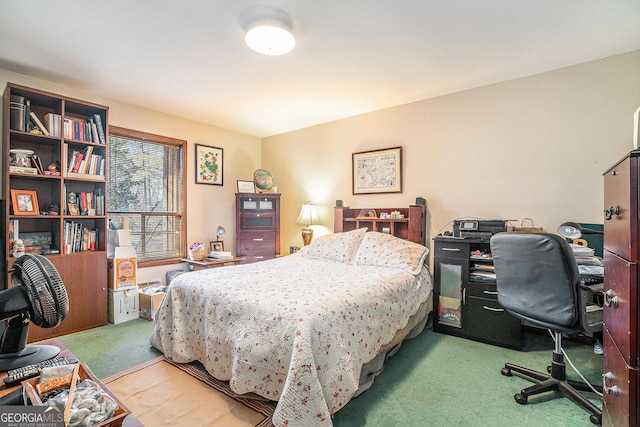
x=188, y=58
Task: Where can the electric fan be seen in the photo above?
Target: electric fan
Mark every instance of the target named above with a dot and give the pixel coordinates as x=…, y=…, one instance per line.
x=37, y=295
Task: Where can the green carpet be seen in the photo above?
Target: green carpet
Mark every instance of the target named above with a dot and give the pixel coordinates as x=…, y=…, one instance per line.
x=434, y=379
x=113, y=348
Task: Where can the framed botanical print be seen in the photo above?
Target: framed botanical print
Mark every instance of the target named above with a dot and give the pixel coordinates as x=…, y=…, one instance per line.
x=209, y=165
x=377, y=171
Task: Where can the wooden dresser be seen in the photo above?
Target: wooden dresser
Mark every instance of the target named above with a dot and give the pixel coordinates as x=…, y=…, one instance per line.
x=257, y=226
x=621, y=256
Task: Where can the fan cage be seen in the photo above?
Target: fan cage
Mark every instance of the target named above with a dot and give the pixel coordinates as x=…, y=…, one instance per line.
x=44, y=287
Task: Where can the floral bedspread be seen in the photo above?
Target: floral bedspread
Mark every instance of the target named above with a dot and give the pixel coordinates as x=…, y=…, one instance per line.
x=296, y=330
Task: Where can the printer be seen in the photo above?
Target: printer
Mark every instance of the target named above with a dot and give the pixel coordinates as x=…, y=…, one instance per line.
x=477, y=229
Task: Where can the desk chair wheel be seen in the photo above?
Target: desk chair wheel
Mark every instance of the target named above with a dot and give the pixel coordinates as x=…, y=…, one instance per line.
x=506, y=371
x=595, y=419
x=520, y=398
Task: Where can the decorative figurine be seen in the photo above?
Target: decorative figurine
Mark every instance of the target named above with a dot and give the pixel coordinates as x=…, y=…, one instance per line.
x=53, y=169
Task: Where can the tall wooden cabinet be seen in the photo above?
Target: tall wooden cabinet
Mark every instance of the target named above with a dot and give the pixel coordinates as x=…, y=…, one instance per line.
x=64, y=217
x=621, y=257
x=257, y=226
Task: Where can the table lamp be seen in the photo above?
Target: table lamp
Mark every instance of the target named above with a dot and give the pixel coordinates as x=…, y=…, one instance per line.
x=308, y=216
x=573, y=230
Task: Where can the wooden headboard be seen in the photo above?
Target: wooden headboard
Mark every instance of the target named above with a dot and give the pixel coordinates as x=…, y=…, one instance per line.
x=411, y=227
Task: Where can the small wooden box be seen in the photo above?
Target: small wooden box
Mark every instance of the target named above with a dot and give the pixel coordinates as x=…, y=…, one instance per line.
x=84, y=373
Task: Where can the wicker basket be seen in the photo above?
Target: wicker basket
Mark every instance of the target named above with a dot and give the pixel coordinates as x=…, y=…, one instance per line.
x=197, y=255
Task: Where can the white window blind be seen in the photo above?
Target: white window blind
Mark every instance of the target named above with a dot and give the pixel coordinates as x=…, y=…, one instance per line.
x=145, y=184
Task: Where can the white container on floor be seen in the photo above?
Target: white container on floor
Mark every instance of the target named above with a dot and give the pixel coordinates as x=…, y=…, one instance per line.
x=123, y=305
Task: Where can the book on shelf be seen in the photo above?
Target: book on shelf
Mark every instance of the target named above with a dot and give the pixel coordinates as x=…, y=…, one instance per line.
x=95, y=137
x=78, y=161
x=52, y=122
x=79, y=238
x=220, y=255
x=13, y=232
x=101, y=133
x=27, y=115
x=38, y=123
x=22, y=169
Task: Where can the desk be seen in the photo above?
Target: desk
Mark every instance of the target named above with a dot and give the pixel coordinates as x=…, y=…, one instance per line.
x=211, y=263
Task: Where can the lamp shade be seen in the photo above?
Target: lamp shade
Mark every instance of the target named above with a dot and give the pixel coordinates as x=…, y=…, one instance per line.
x=308, y=215
x=573, y=230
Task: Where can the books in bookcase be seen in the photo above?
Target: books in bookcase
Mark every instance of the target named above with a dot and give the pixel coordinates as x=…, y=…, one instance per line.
x=52, y=122
x=36, y=121
x=84, y=163
x=79, y=238
x=84, y=203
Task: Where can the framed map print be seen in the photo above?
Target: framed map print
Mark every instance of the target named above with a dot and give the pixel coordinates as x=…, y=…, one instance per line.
x=378, y=171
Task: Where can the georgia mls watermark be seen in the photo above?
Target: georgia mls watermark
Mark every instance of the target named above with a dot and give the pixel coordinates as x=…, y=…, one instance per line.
x=31, y=416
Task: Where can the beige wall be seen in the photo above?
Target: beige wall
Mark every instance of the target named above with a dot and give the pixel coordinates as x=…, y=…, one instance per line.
x=208, y=205
x=532, y=147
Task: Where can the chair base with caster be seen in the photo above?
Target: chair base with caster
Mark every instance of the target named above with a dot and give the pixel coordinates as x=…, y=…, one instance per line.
x=538, y=282
x=555, y=381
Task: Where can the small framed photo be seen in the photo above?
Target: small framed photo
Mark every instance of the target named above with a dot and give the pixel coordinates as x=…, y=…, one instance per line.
x=246, y=187
x=377, y=171
x=209, y=165
x=216, y=246
x=24, y=202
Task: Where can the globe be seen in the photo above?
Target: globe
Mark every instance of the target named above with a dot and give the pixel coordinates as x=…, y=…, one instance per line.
x=263, y=179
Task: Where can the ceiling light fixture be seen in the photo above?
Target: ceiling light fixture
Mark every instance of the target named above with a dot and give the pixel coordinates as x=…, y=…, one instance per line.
x=268, y=30
x=270, y=39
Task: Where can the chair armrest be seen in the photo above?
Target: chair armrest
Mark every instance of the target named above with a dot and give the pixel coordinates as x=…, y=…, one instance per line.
x=594, y=288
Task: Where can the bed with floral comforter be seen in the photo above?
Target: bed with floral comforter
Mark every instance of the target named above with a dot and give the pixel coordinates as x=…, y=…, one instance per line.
x=297, y=329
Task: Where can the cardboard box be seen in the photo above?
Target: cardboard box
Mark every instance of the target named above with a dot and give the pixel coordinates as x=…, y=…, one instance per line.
x=449, y=311
x=122, y=268
x=150, y=299
x=123, y=305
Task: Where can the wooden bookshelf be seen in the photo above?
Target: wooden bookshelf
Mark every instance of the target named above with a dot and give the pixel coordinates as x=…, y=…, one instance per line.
x=70, y=125
x=412, y=225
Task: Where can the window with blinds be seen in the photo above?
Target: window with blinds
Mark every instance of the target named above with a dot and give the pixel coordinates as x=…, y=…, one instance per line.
x=146, y=185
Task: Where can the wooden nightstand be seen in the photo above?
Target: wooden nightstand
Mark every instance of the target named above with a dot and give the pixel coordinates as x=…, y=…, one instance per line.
x=211, y=263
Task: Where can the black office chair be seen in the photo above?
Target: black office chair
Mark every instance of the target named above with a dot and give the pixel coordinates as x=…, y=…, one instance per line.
x=538, y=281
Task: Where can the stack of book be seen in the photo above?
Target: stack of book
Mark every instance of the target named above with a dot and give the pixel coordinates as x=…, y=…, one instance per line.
x=220, y=255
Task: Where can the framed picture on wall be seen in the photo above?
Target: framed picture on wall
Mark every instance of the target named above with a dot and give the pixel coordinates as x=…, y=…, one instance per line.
x=209, y=165
x=377, y=171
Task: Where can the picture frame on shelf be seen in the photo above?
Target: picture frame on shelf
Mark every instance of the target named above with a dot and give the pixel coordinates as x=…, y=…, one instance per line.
x=209, y=165
x=216, y=246
x=377, y=171
x=24, y=202
x=246, y=186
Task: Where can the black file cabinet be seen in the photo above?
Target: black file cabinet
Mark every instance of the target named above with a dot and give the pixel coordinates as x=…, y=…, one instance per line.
x=465, y=295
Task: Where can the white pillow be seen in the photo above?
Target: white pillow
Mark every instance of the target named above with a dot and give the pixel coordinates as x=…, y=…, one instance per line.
x=341, y=247
x=385, y=250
